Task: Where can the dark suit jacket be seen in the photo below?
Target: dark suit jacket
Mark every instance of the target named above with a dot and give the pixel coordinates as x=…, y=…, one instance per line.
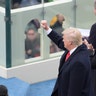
x=74, y=78
x=92, y=40
x=93, y=59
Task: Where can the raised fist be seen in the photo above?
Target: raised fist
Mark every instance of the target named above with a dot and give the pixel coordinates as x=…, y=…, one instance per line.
x=44, y=24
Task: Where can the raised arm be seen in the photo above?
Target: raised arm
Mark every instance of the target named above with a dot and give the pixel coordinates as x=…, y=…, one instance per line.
x=54, y=36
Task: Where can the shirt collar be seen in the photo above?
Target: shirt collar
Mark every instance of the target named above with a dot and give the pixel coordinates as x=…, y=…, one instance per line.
x=71, y=51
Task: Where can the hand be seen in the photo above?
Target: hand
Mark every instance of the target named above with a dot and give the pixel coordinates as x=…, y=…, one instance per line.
x=44, y=24
x=85, y=42
x=29, y=52
x=89, y=46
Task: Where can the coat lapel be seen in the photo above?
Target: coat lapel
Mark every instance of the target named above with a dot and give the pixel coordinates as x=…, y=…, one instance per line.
x=64, y=63
x=62, y=60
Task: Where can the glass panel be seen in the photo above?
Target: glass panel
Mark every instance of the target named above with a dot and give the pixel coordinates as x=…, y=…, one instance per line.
x=30, y=42
x=56, y=24
x=84, y=14
x=59, y=16
x=2, y=3
x=85, y=20
x=26, y=35
x=2, y=38
x=24, y=3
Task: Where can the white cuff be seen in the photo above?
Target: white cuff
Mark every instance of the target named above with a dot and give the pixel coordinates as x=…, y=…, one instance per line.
x=49, y=31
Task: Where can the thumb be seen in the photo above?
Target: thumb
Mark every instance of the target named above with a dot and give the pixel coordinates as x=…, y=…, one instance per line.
x=43, y=25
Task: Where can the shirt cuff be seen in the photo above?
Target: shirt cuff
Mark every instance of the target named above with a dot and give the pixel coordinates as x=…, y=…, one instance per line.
x=49, y=31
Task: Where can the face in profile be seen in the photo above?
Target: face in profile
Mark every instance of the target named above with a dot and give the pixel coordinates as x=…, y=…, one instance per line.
x=31, y=34
x=66, y=42
x=60, y=18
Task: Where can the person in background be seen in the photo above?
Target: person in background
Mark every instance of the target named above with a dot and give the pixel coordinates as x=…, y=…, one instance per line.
x=91, y=44
x=92, y=53
x=92, y=36
x=32, y=41
x=3, y=90
x=74, y=77
x=26, y=3
x=92, y=41
x=16, y=4
x=57, y=23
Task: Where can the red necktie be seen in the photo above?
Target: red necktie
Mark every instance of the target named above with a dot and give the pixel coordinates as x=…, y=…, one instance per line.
x=67, y=56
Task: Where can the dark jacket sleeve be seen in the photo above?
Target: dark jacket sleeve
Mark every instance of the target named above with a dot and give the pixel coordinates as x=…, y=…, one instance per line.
x=92, y=37
x=93, y=60
x=57, y=39
x=77, y=79
x=92, y=55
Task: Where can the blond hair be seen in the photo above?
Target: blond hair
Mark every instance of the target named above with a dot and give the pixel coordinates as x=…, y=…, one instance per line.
x=73, y=35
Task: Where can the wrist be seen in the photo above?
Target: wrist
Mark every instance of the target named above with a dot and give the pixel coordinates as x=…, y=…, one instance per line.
x=47, y=28
x=49, y=31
